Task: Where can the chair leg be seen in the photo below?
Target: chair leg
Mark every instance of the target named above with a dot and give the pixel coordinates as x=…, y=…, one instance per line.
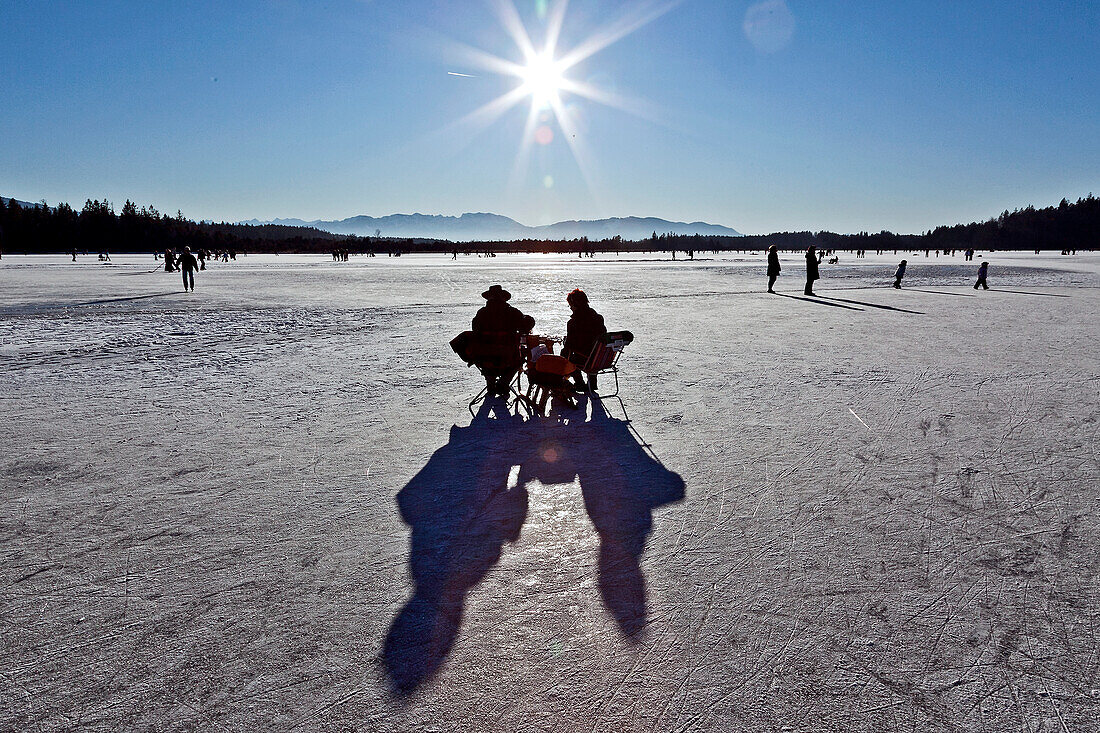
x=478, y=398
x=515, y=387
x=531, y=398
x=615, y=376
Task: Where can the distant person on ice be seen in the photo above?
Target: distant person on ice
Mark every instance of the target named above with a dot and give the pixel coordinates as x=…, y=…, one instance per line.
x=773, y=267
x=983, y=270
x=811, y=269
x=899, y=274
x=495, y=347
x=188, y=264
x=584, y=329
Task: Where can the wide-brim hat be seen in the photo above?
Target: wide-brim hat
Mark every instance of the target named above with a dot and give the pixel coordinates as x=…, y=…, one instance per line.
x=495, y=292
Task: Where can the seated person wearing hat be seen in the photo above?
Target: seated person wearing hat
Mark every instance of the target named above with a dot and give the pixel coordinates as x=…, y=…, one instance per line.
x=584, y=329
x=495, y=344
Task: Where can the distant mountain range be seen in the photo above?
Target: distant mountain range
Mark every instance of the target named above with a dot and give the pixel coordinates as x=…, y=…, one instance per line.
x=493, y=227
x=22, y=204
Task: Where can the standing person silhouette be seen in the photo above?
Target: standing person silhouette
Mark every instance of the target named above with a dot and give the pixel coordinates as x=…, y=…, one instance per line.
x=811, y=269
x=773, y=267
x=983, y=270
x=899, y=274
x=584, y=329
x=188, y=264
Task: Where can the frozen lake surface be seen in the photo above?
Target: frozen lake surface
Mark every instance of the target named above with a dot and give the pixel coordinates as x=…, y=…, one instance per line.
x=264, y=505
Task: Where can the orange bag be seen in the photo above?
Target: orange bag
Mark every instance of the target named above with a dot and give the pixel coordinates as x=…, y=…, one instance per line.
x=552, y=364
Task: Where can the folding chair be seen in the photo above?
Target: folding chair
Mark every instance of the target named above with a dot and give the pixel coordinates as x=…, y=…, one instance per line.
x=605, y=356
x=495, y=354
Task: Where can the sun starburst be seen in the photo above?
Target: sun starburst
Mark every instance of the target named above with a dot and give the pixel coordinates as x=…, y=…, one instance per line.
x=543, y=76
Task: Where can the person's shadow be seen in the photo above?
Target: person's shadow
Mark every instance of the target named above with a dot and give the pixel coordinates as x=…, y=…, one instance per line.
x=622, y=483
x=461, y=511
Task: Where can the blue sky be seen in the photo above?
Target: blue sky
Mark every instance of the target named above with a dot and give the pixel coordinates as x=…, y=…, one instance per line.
x=840, y=115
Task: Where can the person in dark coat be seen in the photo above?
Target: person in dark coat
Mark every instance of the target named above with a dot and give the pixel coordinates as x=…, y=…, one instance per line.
x=899, y=274
x=811, y=269
x=773, y=267
x=983, y=270
x=495, y=343
x=582, y=333
x=187, y=265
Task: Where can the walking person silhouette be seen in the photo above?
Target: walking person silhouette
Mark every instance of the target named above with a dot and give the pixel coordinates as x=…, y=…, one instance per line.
x=188, y=264
x=899, y=274
x=983, y=270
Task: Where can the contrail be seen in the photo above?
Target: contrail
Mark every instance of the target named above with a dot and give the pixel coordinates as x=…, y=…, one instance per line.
x=468, y=76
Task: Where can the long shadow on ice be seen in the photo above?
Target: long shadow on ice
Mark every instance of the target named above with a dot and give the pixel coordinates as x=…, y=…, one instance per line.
x=816, y=300
x=127, y=298
x=870, y=305
x=461, y=512
x=1027, y=292
x=462, y=509
x=622, y=483
x=940, y=292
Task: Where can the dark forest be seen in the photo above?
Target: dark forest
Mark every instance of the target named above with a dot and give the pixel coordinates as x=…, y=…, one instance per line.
x=40, y=229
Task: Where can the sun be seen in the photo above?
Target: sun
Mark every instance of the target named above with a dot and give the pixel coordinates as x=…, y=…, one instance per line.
x=543, y=78
x=542, y=75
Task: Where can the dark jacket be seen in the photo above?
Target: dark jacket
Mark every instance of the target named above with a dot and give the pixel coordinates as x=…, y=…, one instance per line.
x=497, y=315
x=187, y=262
x=811, y=266
x=773, y=264
x=494, y=343
x=584, y=329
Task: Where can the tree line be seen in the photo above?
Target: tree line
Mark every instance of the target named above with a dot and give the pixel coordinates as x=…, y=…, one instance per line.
x=38, y=228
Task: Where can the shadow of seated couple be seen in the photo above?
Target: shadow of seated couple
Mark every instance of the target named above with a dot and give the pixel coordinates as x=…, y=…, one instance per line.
x=469, y=500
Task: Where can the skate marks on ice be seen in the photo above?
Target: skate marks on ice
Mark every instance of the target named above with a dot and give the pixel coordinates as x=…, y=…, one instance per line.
x=471, y=499
x=961, y=611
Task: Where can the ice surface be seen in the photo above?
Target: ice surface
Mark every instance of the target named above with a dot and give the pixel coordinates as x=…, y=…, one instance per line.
x=264, y=505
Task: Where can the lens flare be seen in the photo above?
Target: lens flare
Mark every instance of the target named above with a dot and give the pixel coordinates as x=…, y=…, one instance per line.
x=769, y=25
